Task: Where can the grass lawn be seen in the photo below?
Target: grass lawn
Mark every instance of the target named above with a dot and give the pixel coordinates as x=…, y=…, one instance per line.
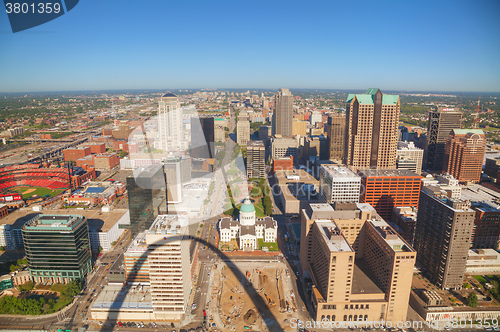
x=272, y=246
x=480, y=279
x=61, y=304
x=39, y=191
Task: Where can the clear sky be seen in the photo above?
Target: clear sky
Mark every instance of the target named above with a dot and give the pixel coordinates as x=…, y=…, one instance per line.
x=161, y=44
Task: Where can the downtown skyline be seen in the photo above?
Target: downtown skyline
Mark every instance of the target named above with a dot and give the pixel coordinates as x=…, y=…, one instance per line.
x=424, y=46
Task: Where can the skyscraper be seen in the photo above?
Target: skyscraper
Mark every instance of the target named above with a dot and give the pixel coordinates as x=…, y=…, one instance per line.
x=202, y=138
x=243, y=128
x=283, y=113
x=441, y=121
x=169, y=123
x=146, y=197
x=464, y=154
x=442, y=238
x=336, y=133
x=371, y=130
x=57, y=248
x=256, y=163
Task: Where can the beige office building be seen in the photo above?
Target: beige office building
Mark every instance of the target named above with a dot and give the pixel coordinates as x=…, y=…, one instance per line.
x=335, y=130
x=243, y=129
x=256, y=160
x=371, y=130
x=360, y=268
x=299, y=127
x=283, y=113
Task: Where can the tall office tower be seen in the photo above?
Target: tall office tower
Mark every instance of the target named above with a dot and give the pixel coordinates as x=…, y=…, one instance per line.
x=219, y=129
x=146, y=197
x=135, y=261
x=169, y=266
x=243, y=129
x=403, y=134
x=409, y=151
x=360, y=268
x=177, y=173
x=441, y=122
x=442, y=238
x=486, y=225
x=256, y=160
x=283, y=113
x=169, y=123
x=57, y=248
x=339, y=184
x=464, y=154
x=335, y=130
x=371, y=130
x=202, y=138
x=386, y=188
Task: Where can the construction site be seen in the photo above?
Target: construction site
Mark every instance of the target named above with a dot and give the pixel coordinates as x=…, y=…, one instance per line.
x=260, y=299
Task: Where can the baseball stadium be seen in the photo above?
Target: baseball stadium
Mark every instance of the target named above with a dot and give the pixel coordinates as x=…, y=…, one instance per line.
x=41, y=180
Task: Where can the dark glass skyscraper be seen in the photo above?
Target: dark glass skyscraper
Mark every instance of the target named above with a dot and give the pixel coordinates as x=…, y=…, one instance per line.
x=57, y=248
x=146, y=197
x=202, y=138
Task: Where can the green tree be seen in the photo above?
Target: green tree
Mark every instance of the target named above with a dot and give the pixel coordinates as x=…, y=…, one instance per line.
x=472, y=300
x=2, y=248
x=113, y=243
x=13, y=267
x=100, y=249
x=72, y=288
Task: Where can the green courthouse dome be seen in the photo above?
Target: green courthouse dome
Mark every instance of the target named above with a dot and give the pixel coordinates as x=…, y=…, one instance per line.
x=247, y=206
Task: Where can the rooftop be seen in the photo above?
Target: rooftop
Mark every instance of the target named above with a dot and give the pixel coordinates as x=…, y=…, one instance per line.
x=53, y=222
x=118, y=297
x=333, y=237
x=390, y=235
x=339, y=172
x=168, y=224
x=386, y=173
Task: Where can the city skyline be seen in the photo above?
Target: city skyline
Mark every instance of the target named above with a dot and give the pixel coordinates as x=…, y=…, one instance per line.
x=450, y=46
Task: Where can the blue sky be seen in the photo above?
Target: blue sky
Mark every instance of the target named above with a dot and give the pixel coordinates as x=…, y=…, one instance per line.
x=150, y=44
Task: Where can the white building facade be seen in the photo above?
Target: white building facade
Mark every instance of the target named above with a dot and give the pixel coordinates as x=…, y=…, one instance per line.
x=339, y=184
x=248, y=230
x=170, y=130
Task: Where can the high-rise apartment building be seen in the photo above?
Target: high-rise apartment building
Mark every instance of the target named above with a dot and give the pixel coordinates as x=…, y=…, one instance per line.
x=464, y=154
x=339, y=184
x=486, y=226
x=386, y=188
x=360, y=268
x=371, y=130
x=441, y=121
x=202, y=138
x=283, y=113
x=442, y=238
x=57, y=248
x=169, y=266
x=335, y=130
x=243, y=129
x=256, y=160
x=408, y=150
x=169, y=123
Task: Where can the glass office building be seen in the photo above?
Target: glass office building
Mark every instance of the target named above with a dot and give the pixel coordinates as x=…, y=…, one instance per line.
x=57, y=248
x=146, y=197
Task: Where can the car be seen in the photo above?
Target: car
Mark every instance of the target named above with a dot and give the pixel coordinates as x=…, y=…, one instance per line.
x=204, y=312
x=193, y=306
x=172, y=325
x=208, y=274
x=120, y=324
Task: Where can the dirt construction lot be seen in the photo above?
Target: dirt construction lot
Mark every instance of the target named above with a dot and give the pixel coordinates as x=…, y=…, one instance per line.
x=270, y=283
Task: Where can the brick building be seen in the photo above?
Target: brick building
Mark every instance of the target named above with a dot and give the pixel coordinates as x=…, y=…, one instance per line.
x=105, y=161
x=464, y=154
x=73, y=154
x=96, y=148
